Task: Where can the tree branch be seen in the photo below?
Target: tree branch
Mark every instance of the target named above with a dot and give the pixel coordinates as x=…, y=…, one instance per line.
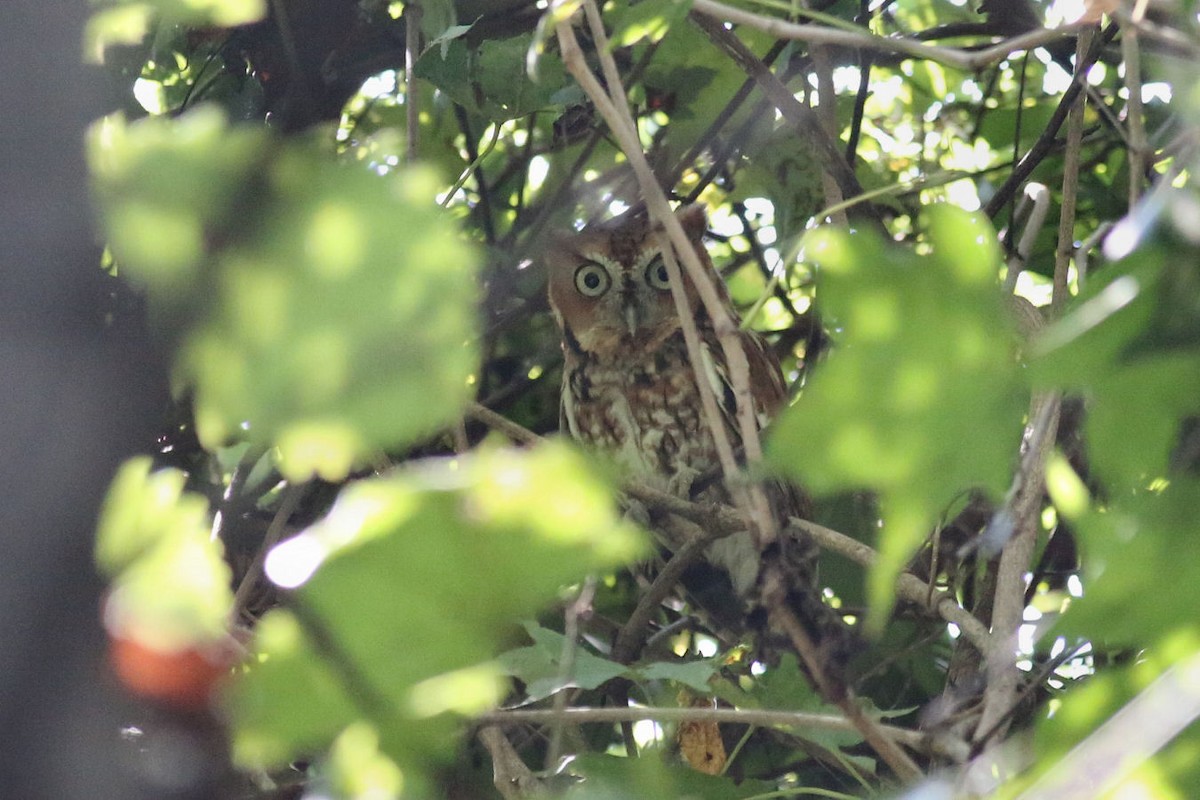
x=1042, y=147
x=798, y=115
x=510, y=775
x=968, y=60
x=792, y=719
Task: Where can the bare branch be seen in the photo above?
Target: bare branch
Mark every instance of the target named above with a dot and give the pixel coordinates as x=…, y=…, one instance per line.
x=511, y=777
x=1131, y=56
x=1023, y=506
x=245, y=590
x=1070, y=186
x=798, y=115
x=790, y=719
x=412, y=49
x=567, y=663
x=512, y=430
x=968, y=60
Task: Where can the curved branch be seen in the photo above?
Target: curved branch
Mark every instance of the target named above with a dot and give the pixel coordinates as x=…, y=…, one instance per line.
x=968, y=60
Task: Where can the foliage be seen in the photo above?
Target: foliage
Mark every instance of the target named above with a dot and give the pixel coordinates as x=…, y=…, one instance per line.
x=338, y=281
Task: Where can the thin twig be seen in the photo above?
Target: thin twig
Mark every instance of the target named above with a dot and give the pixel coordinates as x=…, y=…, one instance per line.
x=503, y=424
x=737, y=716
x=510, y=775
x=1131, y=57
x=412, y=50
x=1045, y=142
x=1039, y=199
x=1070, y=186
x=719, y=122
x=245, y=590
x=632, y=634
x=474, y=168
x=880, y=740
x=799, y=116
x=968, y=60
x=580, y=606
x=827, y=114
x=721, y=520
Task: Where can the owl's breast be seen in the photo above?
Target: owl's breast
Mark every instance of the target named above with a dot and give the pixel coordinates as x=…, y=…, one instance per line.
x=644, y=412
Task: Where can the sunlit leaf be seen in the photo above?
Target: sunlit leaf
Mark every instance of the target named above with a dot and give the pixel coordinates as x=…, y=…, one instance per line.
x=648, y=19
x=163, y=185
x=170, y=587
x=408, y=583
x=922, y=398
x=1139, y=387
x=1109, y=730
x=220, y=13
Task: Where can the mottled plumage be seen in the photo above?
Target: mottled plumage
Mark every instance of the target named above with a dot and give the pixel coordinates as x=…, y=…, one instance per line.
x=629, y=391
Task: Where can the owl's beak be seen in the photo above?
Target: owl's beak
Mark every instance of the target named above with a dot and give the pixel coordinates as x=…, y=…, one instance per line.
x=631, y=318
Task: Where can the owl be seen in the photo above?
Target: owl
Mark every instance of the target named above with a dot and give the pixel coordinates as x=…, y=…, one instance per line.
x=629, y=391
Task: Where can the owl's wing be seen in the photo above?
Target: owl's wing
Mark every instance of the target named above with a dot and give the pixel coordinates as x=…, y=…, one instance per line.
x=766, y=380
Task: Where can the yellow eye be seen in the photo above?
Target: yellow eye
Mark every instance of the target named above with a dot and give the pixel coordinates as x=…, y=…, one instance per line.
x=656, y=273
x=592, y=280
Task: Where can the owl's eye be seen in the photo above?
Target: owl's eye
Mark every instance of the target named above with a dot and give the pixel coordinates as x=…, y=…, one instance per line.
x=592, y=280
x=656, y=273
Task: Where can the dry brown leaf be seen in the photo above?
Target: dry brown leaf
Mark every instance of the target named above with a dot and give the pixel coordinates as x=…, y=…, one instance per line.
x=700, y=742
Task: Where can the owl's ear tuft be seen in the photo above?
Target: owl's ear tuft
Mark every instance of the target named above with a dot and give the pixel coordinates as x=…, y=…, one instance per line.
x=694, y=219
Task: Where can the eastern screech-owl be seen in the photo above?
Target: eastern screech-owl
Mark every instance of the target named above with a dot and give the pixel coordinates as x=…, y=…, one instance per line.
x=629, y=390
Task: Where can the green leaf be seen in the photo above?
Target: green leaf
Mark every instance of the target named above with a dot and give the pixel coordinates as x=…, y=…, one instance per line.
x=491, y=78
x=647, y=19
x=922, y=399
x=786, y=170
x=162, y=185
x=692, y=674
x=540, y=667
x=1110, y=348
x=126, y=22
x=170, y=585
x=1130, y=552
x=1153, y=696
x=335, y=317
x=405, y=591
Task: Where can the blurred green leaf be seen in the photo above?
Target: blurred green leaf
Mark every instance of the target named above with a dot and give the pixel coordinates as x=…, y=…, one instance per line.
x=170, y=586
x=648, y=19
x=339, y=324
x=1139, y=387
x=128, y=22
x=163, y=186
x=922, y=398
x=1135, y=536
x=405, y=591
x=1129, y=713
x=219, y=13
x=345, y=325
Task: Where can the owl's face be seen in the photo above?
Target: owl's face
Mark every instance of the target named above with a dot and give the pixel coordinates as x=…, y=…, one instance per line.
x=609, y=287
